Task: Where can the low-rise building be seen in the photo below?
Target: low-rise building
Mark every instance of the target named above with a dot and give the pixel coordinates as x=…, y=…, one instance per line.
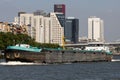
x=14, y=28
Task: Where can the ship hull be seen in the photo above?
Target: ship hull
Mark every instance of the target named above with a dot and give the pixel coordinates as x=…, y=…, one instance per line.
x=56, y=56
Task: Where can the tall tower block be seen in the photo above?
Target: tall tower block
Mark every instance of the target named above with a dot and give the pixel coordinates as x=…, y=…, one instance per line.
x=95, y=29
x=59, y=8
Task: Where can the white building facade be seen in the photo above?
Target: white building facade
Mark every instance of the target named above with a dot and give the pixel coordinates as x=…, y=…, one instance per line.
x=95, y=29
x=44, y=29
x=57, y=28
x=26, y=19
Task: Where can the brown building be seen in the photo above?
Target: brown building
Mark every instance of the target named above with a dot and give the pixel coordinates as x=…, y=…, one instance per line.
x=59, y=8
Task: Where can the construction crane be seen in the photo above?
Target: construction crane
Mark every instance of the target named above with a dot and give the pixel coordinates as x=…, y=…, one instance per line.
x=63, y=42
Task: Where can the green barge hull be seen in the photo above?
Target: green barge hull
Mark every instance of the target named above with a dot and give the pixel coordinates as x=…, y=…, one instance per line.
x=52, y=56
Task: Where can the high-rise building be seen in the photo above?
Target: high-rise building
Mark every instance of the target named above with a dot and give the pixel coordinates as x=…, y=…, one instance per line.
x=17, y=19
x=57, y=29
x=38, y=26
x=59, y=8
x=39, y=12
x=27, y=19
x=72, y=30
x=44, y=28
x=19, y=13
x=95, y=29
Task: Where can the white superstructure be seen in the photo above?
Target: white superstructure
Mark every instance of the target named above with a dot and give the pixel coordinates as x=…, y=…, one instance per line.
x=97, y=48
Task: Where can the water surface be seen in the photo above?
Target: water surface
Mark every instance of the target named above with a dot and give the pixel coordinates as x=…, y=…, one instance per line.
x=76, y=71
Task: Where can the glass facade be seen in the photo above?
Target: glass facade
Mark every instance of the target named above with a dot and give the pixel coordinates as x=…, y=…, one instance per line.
x=68, y=31
x=61, y=18
x=72, y=30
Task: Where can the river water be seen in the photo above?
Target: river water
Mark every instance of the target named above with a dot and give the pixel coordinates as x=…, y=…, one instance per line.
x=75, y=71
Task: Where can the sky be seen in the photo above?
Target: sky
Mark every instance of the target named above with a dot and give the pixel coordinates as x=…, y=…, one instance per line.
x=107, y=10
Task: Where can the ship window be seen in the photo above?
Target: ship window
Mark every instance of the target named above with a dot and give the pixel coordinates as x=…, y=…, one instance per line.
x=74, y=52
x=50, y=51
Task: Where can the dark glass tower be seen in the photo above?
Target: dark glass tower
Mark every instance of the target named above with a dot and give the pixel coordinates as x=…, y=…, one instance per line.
x=72, y=30
x=61, y=18
x=59, y=8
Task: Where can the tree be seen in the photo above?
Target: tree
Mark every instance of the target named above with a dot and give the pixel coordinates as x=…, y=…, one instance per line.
x=7, y=39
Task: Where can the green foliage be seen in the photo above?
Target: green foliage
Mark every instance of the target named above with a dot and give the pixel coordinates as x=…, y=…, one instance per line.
x=7, y=39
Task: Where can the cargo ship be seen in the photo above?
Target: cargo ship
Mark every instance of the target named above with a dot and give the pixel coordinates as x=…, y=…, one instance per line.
x=27, y=53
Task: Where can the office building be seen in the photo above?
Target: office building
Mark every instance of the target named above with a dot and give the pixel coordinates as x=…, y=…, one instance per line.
x=72, y=30
x=95, y=29
x=59, y=8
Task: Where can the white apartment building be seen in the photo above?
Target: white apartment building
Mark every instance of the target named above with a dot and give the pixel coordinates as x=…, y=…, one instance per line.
x=57, y=29
x=43, y=29
x=17, y=20
x=95, y=29
x=42, y=25
x=26, y=19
